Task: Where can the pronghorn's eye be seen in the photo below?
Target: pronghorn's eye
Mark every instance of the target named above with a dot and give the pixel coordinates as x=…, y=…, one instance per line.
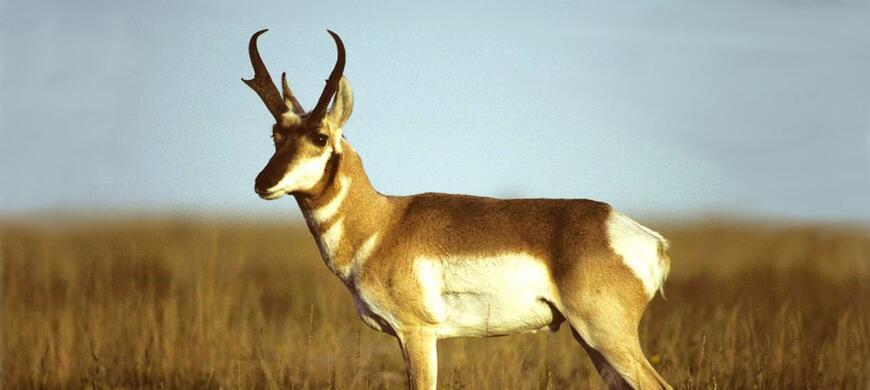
x=320, y=139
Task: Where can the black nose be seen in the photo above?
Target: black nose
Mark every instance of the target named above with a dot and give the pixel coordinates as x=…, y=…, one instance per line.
x=265, y=180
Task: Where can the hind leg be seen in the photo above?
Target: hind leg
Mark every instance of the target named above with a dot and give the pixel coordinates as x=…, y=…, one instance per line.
x=629, y=370
x=609, y=374
x=609, y=336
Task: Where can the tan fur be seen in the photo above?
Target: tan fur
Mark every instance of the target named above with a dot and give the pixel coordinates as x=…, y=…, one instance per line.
x=597, y=292
x=395, y=254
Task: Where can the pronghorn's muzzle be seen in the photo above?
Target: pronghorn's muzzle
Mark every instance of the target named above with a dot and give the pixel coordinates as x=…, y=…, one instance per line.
x=264, y=184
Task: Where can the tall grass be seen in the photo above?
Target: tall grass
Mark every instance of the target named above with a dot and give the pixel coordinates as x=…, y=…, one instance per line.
x=174, y=304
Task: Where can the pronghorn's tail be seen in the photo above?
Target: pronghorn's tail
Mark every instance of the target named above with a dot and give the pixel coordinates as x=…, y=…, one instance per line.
x=664, y=263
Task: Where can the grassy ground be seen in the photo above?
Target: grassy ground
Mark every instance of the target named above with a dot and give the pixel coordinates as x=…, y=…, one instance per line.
x=208, y=305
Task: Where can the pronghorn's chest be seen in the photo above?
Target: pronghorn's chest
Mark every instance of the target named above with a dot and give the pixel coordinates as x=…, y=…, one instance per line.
x=373, y=311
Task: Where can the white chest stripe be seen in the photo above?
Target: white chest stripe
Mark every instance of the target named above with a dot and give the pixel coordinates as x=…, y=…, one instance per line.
x=329, y=242
x=365, y=250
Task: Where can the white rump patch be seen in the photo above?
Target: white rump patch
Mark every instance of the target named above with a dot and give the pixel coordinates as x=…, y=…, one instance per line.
x=639, y=248
x=486, y=296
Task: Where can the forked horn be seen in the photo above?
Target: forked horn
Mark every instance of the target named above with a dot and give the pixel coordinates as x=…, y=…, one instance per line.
x=262, y=82
x=331, y=83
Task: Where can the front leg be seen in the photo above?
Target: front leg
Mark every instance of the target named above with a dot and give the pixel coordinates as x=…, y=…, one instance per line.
x=419, y=348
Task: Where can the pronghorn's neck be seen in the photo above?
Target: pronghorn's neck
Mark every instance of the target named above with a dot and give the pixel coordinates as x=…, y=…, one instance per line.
x=347, y=214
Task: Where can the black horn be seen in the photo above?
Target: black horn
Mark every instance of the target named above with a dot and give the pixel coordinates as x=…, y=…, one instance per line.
x=331, y=83
x=262, y=82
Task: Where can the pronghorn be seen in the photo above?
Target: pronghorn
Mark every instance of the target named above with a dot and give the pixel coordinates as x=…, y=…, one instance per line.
x=432, y=266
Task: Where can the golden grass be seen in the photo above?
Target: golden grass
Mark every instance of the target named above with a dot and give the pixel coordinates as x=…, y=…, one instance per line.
x=175, y=304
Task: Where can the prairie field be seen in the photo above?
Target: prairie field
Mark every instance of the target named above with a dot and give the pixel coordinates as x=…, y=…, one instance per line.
x=175, y=303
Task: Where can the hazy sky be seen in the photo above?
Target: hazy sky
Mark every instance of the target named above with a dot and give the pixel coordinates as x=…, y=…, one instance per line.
x=660, y=107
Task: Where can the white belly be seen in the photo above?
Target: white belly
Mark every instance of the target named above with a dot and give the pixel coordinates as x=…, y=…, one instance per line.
x=487, y=296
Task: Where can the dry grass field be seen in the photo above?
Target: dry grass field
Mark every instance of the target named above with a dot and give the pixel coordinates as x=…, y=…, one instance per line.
x=198, y=304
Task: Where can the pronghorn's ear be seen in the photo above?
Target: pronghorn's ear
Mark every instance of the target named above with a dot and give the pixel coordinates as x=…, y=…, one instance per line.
x=342, y=106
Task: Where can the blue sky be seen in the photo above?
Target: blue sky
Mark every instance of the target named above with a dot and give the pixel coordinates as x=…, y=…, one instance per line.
x=758, y=108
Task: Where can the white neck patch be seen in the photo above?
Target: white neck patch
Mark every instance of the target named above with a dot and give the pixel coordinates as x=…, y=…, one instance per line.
x=327, y=211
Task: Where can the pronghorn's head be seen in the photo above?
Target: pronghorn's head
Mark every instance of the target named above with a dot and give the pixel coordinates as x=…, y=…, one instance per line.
x=305, y=142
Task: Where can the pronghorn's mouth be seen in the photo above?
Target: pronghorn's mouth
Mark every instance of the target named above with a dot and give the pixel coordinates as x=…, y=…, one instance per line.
x=270, y=194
